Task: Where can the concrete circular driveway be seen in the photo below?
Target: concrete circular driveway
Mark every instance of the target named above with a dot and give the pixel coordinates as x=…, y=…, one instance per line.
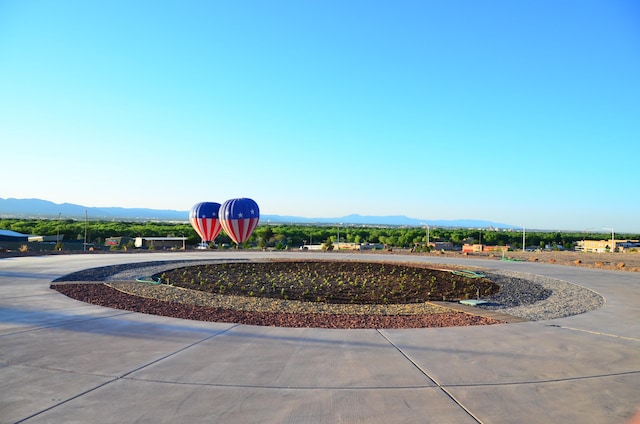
x=66, y=361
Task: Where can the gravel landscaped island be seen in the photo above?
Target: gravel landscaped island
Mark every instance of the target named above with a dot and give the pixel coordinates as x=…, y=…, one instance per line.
x=521, y=295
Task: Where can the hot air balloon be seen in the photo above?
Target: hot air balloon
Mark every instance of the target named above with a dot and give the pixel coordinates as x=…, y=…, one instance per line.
x=204, y=219
x=239, y=217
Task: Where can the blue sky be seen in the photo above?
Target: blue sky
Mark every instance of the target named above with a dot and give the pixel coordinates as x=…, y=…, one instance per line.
x=521, y=112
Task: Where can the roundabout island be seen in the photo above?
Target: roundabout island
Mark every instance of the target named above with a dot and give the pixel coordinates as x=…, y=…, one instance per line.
x=346, y=292
x=289, y=293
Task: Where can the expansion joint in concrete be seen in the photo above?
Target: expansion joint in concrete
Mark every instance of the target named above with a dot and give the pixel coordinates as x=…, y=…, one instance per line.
x=597, y=333
x=430, y=377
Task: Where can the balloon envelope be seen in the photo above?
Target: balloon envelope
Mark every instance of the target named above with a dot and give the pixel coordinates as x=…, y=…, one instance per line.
x=204, y=219
x=239, y=217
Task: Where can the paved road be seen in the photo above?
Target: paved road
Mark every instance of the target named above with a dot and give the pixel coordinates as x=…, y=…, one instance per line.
x=65, y=361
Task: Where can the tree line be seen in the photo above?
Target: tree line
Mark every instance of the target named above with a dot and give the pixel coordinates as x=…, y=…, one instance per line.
x=292, y=235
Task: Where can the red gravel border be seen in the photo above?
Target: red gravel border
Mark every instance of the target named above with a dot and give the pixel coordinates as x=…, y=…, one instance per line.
x=102, y=295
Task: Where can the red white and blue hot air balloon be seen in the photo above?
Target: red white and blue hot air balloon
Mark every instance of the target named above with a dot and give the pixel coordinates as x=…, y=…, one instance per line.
x=204, y=219
x=239, y=217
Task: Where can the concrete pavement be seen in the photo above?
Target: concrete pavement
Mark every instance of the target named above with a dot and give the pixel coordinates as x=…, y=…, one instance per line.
x=65, y=361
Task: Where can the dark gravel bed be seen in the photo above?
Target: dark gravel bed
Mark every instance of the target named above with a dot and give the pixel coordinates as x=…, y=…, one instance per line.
x=133, y=270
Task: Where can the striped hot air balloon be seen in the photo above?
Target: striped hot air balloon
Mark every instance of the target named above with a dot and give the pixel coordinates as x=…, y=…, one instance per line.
x=239, y=217
x=204, y=219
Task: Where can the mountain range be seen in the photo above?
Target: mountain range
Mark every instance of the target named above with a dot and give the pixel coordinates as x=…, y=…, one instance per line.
x=38, y=208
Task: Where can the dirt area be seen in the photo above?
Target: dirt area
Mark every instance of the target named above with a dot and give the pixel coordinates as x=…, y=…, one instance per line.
x=614, y=261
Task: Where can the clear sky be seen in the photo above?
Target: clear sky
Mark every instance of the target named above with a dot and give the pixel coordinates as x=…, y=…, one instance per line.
x=520, y=112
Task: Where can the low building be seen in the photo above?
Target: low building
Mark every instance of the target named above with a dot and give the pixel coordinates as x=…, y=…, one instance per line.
x=597, y=246
x=162, y=243
x=496, y=248
x=441, y=245
x=472, y=248
x=600, y=246
x=117, y=242
x=11, y=240
x=345, y=245
x=311, y=247
x=46, y=239
x=479, y=248
x=371, y=246
x=13, y=236
x=625, y=245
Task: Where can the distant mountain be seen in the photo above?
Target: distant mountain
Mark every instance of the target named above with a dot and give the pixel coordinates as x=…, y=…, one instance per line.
x=390, y=220
x=37, y=208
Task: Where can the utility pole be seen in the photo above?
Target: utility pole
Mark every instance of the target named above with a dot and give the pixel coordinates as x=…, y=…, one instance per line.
x=84, y=245
x=58, y=235
x=427, y=232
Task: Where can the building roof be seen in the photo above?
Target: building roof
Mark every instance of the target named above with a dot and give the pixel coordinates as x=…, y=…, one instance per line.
x=9, y=233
